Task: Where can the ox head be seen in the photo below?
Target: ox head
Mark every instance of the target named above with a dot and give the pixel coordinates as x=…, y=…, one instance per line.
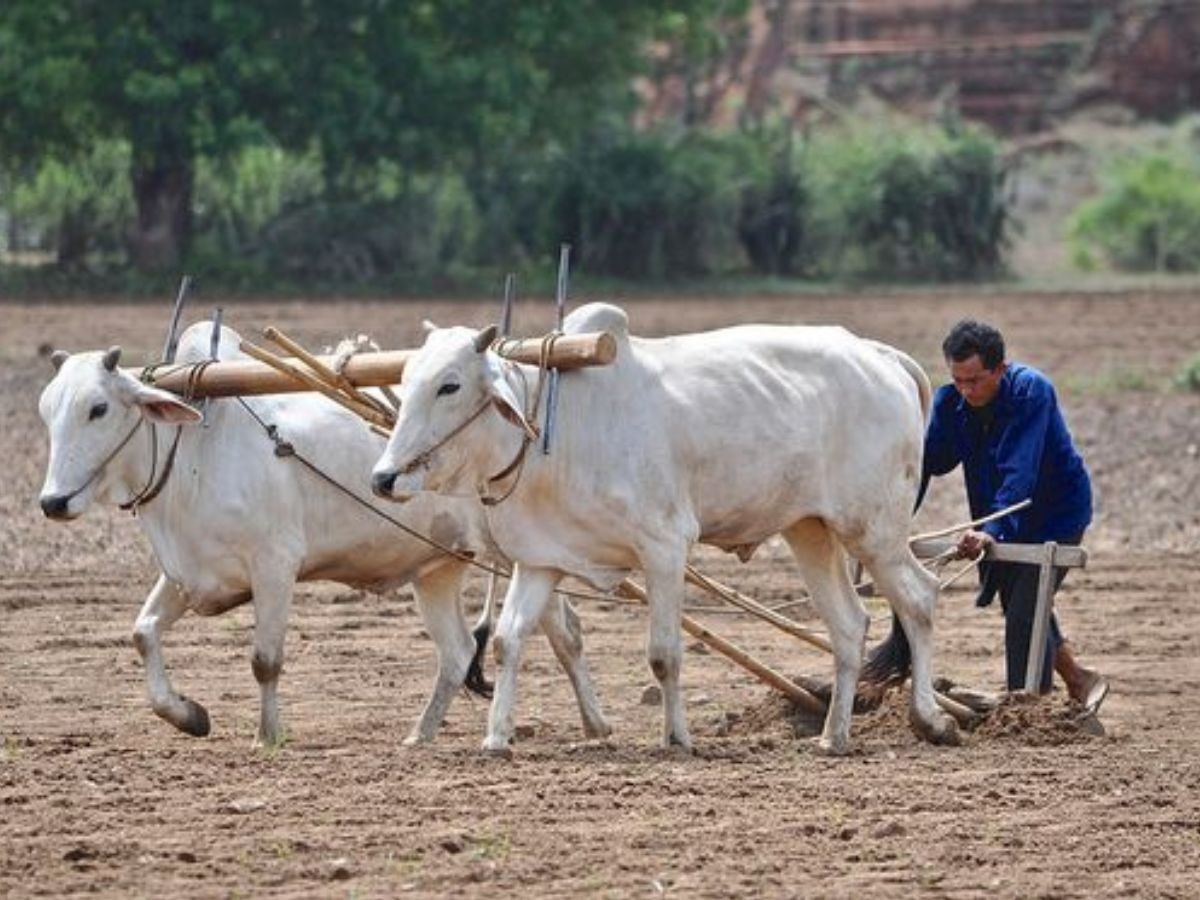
x=442, y=441
x=91, y=409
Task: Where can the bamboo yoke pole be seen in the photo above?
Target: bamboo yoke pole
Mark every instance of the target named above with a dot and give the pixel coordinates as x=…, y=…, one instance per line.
x=229, y=378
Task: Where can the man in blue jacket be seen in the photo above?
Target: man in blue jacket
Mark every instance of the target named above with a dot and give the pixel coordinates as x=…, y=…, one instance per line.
x=1001, y=422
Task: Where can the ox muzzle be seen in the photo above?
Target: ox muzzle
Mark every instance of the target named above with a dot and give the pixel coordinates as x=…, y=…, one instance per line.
x=56, y=506
x=393, y=485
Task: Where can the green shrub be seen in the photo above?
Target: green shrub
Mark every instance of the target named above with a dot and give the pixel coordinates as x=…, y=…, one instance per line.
x=236, y=198
x=1188, y=378
x=426, y=232
x=79, y=207
x=648, y=204
x=1146, y=217
x=906, y=201
x=773, y=201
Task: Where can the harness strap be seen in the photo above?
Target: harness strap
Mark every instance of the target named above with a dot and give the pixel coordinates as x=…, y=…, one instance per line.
x=531, y=429
x=100, y=468
x=422, y=458
x=154, y=488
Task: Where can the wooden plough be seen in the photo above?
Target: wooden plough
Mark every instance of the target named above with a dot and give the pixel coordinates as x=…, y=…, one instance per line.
x=270, y=373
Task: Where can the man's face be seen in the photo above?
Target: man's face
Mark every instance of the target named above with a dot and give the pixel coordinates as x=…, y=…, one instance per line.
x=978, y=385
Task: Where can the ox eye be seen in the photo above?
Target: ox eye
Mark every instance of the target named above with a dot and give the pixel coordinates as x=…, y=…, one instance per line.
x=97, y=411
x=447, y=389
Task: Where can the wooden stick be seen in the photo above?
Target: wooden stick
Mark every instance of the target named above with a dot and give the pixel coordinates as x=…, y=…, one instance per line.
x=762, y=672
x=310, y=382
x=783, y=623
x=1068, y=556
x=249, y=378
x=962, y=714
x=1035, y=661
x=998, y=514
x=327, y=374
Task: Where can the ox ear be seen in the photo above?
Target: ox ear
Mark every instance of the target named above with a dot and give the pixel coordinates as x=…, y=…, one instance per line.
x=484, y=339
x=162, y=406
x=111, y=358
x=503, y=396
x=428, y=326
x=57, y=358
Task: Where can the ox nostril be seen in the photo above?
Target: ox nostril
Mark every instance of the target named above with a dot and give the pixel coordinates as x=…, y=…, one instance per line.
x=55, y=507
x=382, y=483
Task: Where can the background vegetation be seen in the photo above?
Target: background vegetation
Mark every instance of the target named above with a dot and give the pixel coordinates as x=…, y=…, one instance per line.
x=409, y=146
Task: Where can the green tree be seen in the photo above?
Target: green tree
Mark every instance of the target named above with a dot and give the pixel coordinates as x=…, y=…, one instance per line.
x=427, y=84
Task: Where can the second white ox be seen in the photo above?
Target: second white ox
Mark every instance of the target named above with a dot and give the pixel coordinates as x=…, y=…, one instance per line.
x=230, y=523
x=726, y=438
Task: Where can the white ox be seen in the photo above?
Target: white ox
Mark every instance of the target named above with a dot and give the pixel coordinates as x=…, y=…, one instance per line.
x=234, y=523
x=727, y=438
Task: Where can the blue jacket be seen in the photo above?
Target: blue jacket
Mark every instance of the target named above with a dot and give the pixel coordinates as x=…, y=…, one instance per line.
x=1026, y=451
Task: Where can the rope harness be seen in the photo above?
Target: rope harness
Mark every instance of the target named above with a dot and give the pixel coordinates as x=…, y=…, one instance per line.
x=529, y=429
x=153, y=488
x=111, y=456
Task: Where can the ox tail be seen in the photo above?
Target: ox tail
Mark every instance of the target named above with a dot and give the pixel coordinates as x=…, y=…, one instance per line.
x=913, y=368
x=475, y=681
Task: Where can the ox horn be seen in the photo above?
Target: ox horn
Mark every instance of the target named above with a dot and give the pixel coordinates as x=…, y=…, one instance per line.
x=57, y=358
x=484, y=339
x=111, y=358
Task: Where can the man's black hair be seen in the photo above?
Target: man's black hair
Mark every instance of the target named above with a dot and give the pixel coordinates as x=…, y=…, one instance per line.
x=968, y=338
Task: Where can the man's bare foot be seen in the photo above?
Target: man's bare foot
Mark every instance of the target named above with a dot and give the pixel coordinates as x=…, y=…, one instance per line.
x=1089, y=690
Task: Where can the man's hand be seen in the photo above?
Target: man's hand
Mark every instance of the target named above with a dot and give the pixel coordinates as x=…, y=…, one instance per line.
x=972, y=543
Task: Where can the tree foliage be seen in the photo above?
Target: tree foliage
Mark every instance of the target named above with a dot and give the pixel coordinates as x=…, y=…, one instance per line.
x=425, y=84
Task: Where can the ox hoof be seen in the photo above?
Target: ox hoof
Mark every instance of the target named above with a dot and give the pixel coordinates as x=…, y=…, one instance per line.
x=939, y=729
x=416, y=739
x=681, y=746
x=597, y=730
x=497, y=751
x=833, y=747
x=195, y=719
x=270, y=743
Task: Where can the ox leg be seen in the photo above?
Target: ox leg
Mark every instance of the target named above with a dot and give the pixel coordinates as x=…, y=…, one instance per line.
x=438, y=599
x=272, y=603
x=165, y=603
x=525, y=604
x=823, y=565
x=664, y=591
x=913, y=593
x=560, y=623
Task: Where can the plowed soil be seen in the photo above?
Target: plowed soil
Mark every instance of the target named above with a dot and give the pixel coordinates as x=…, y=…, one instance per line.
x=98, y=796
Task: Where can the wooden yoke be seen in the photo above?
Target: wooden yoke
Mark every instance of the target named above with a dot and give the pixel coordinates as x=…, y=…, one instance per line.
x=245, y=378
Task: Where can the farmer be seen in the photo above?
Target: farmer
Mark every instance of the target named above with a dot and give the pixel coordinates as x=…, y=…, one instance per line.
x=1001, y=421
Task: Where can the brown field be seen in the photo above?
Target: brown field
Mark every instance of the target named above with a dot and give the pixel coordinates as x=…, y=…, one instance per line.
x=99, y=796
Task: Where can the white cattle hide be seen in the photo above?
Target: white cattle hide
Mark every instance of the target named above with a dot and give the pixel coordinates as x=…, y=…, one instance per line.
x=234, y=522
x=726, y=438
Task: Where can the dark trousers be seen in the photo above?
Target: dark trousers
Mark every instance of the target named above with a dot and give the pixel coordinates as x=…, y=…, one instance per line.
x=1017, y=585
x=1018, y=598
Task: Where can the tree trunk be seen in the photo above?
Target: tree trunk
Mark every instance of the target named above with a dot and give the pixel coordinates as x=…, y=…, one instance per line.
x=74, y=238
x=160, y=236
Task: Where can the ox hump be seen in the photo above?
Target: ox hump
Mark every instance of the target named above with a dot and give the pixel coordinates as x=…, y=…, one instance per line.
x=598, y=317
